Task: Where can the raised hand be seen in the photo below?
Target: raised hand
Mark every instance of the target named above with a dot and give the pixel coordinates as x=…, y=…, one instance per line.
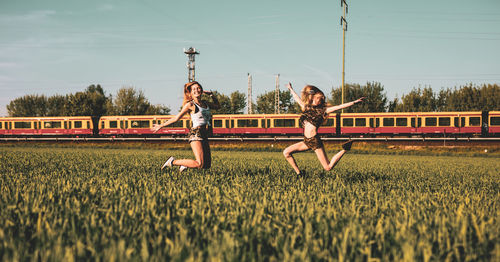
x=359, y=100
x=289, y=86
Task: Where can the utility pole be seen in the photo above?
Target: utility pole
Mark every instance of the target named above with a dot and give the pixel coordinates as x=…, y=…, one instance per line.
x=277, y=95
x=249, y=95
x=191, y=52
x=343, y=23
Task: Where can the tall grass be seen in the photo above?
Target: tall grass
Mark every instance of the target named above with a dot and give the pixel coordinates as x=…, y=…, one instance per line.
x=115, y=204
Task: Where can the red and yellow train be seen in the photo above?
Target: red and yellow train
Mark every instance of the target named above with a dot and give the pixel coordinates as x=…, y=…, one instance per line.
x=347, y=124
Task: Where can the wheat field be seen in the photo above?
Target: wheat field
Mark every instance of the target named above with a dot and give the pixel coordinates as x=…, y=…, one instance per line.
x=115, y=204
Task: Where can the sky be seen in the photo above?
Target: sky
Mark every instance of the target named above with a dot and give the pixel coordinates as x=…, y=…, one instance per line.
x=59, y=47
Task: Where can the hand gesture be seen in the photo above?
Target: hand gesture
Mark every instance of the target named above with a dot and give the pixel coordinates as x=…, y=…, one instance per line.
x=289, y=86
x=155, y=128
x=359, y=100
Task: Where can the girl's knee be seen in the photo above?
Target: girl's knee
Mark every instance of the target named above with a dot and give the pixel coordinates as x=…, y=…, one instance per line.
x=287, y=153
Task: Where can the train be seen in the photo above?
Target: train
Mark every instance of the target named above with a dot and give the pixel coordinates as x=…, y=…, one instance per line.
x=484, y=124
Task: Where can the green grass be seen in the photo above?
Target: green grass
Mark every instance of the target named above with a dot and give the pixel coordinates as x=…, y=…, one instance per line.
x=115, y=204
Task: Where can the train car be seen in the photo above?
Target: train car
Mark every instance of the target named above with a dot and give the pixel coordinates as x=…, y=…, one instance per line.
x=141, y=125
x=419, y=123
x=265, y=125
x=494, y=123
x=46, y=126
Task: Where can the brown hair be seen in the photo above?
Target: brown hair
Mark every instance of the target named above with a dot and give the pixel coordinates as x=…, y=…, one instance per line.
x=307, y=96
x=187, y=91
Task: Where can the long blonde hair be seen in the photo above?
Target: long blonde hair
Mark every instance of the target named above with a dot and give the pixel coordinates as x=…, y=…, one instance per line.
x=307, y=95
x=187, y=91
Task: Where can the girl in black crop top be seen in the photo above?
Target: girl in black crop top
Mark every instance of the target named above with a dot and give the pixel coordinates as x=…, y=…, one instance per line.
x=314, y=112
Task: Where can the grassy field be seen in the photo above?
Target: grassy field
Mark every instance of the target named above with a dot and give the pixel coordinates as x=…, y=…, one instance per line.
x=115, y=204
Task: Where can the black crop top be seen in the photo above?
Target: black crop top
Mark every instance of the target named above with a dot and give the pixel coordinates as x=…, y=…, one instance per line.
x=315, y=116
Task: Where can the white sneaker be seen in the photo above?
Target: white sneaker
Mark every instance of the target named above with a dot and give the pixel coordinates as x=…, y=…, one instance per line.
x=168, y=162
x=182, y=168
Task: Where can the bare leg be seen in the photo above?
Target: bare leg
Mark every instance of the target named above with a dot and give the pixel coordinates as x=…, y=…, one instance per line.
x=289, y=151
x=198, y=154
x=323, y=159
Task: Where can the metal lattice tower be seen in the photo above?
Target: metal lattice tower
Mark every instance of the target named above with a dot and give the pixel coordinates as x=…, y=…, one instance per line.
x=249, y=95
x=277, y=95
x=343, y=23
x=191, y=52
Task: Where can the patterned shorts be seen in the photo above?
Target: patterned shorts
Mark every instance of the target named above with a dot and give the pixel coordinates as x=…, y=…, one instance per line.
x=313, y=142
x=199, y=133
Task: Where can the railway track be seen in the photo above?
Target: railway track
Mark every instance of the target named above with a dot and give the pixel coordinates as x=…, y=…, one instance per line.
x=248, y=139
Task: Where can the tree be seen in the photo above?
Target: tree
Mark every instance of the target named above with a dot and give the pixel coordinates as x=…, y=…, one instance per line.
x=375, y=97
x=418, y=100
x=129, y=101
x=91, y=102
x=238, y=102
x=57, y=105
x=28, y=105
x=232, y=104
x=225, y=104
x=266, y=101
x=158, y=110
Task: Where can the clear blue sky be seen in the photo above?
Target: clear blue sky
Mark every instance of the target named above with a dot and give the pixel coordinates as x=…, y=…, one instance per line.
x=59, y=47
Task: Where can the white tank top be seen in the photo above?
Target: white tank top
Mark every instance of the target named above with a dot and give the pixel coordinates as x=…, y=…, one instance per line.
x=202, y=117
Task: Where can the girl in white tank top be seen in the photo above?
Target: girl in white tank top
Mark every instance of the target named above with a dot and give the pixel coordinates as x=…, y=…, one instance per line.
x=202, y=126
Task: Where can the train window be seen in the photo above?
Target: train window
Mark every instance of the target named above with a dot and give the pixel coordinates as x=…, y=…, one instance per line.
x=52, y=124
x=444, y=121
x=268, y=123
x=348, y=122
x=113, y=124
x=418, y=122
x=459, y=123
x=401, y=121
x=217, y=123
x=77, y=124
x=263, y=123
x=284, y=122
x=360, y=121
x=374, y=122
x=474, y=121
x=388, y=121
x=177, y=124
x=430, y=121
x=248, y=123
x=495, y=121
x=22, y=125
x=1, y=125
x=102, y=124
x=227, y=124
x=140, y=124
x=329, y=122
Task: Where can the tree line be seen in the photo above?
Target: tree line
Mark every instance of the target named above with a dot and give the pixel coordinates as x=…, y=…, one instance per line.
x=130, y=101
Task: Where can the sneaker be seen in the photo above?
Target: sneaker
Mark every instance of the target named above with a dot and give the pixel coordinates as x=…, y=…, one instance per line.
x=168, y=162
x=182, y=168
x=347, y=145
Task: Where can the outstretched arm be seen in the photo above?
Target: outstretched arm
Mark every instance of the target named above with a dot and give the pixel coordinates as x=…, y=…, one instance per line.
x=338, y=107
x=295, y=96
x=172, y=120
x=215, y=103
